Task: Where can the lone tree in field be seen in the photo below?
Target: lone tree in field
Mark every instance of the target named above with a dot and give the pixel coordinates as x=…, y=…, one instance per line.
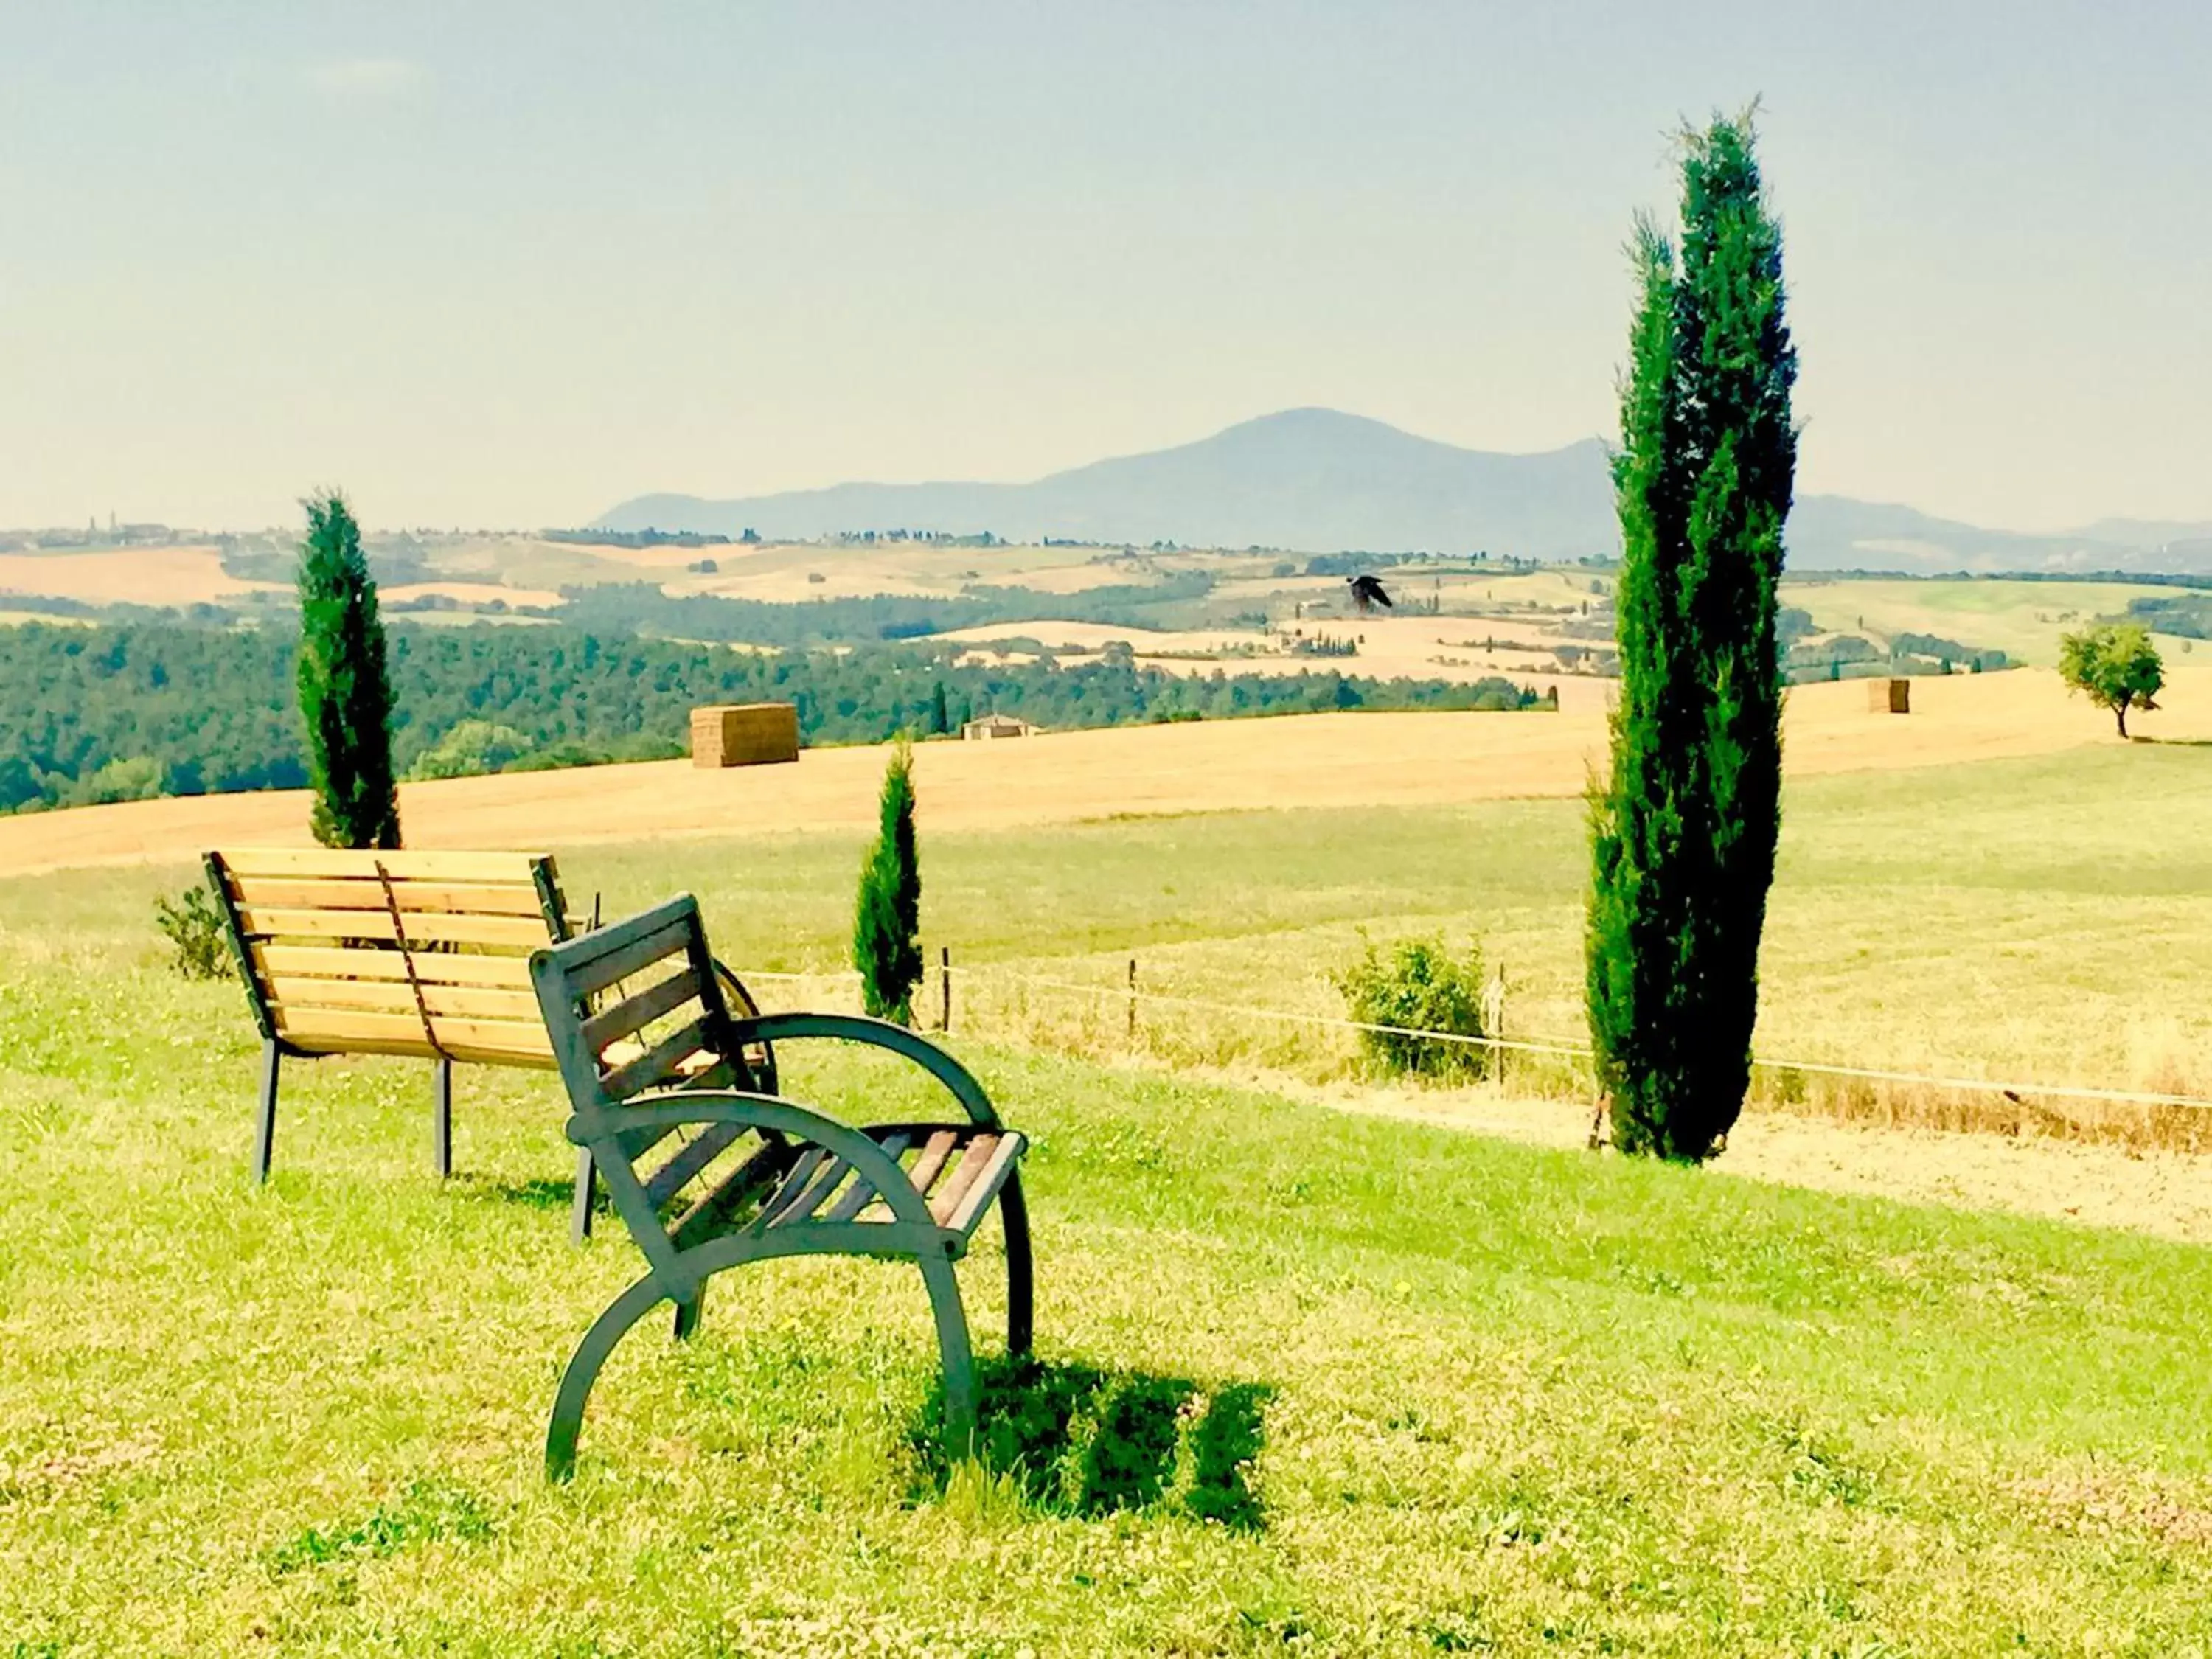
x=1683, y=830
x=887, y=920
x=345, y=693
x=2115, y=666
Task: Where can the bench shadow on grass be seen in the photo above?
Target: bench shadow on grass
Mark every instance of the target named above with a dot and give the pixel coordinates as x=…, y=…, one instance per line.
x=1079, y=1440
x=545, y=1192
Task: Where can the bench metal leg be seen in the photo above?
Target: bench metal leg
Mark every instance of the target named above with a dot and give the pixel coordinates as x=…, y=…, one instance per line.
x=1021, y=1287
x=441, y=1117
x=609, y=1328
x=687, y=1314
x=580, y=1207
x=959, y=1361
x=264, y=1135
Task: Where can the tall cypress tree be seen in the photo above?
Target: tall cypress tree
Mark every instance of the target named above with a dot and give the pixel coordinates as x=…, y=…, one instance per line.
x=1683, y=830
x=345, y=691
x=887, y=915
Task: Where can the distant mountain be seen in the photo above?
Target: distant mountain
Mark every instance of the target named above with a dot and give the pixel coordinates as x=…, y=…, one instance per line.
x=1318, y=481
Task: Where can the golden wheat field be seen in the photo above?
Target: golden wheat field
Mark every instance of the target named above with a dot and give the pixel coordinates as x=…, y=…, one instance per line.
x=128, y=576
x=1307, y=761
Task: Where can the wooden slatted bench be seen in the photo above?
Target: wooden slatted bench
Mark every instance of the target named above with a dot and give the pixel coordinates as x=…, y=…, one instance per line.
x=709, y=1168
x=420, y=954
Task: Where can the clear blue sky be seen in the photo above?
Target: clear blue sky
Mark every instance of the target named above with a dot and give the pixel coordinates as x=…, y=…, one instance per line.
x=503, y=264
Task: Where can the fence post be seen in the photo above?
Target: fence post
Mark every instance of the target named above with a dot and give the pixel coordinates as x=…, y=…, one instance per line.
x=1133, y=1003
x=1493, y=1024
x=945, y=989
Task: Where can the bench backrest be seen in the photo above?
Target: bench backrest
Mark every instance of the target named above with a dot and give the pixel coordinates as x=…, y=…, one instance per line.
x=635, y=1005
x=392, y=952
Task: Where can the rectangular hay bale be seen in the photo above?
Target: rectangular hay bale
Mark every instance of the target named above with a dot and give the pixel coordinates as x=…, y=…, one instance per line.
x=1890, y=696
x=745, y=734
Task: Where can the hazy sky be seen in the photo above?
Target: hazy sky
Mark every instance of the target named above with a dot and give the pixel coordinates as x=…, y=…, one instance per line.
x=505, y=264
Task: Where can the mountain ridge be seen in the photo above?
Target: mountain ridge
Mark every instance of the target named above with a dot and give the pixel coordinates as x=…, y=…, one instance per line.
x=1314, y=480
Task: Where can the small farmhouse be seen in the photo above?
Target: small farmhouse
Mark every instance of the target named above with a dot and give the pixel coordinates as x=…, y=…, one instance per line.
x=995, y=725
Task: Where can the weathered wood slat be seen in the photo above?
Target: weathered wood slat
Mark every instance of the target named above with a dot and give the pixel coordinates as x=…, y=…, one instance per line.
x=934, y=1151
x=512, y=931
x=972, y=1157
x=816, y=1194
x=695, y=1155
x=856, y=1196
x=322, y=861
x=385, y=962
x=329, y=1030
x=516, y=898
x=802, y=1170
x=663, y=1060
x=623, y=956
x=744, y=1183
x=635, y=1013
x=467, y=1001
x=537, y=1059
x=961, y=1216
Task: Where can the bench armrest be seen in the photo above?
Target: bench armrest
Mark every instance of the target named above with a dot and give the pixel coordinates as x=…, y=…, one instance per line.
x=879, y=1034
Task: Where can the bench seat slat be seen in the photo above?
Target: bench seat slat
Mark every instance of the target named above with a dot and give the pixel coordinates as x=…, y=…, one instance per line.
x=973, y=1156
x=934, y=1150
x=857, y=1196
x=803, y=1207
x=753, y=1177
x=803, y=1167
x=475, y=967
x=963, y=1215
x=695, y=1155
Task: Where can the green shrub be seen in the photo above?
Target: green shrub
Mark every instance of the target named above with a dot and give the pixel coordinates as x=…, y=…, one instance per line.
x=1419, y=986
x=197, y=932
x=470, y=747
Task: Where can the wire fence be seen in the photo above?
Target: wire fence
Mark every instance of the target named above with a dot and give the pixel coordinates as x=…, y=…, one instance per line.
x=2016, y=1090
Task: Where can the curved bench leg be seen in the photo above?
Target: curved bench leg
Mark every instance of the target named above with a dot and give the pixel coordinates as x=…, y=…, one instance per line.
x=959, y=1362
x=1021, y=1289
x=687, y=1315
x=609, y=1328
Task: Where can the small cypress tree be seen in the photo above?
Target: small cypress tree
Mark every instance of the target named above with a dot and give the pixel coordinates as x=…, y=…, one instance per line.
x=940, y=716
x=887, y=918
x=1683, y=830
x=345, y=691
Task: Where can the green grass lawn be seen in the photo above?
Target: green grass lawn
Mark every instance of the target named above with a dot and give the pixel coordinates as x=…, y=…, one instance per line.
x=1311, y=1382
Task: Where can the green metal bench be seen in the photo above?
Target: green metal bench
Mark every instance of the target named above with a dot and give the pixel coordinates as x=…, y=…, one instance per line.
x=654, y=1060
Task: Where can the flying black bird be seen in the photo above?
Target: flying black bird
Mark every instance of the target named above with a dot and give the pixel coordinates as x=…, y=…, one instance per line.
x=1367, y=593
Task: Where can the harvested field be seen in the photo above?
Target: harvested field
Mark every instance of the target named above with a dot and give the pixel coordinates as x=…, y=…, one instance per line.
x=1450, y=648
x=128, y=576
x=1331, y=760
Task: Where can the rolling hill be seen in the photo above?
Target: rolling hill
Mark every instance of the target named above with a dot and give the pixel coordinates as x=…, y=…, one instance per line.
x=1317, y=480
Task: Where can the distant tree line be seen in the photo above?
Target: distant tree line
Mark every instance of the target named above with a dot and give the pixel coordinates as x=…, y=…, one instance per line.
x=637, y=538
x=2188, y=618
x=95, y=713
x=642, y=608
